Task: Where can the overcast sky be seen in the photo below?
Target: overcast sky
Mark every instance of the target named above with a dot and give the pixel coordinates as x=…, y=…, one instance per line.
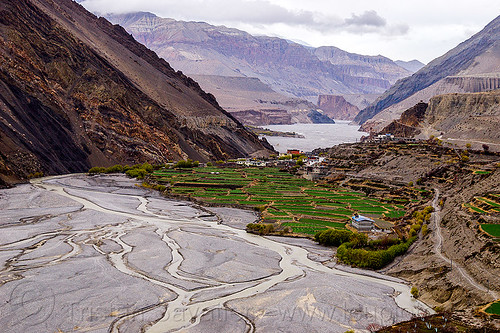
x=402, y=29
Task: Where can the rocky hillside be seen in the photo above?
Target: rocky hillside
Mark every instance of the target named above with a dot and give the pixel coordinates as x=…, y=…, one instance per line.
x=425, y=168
x=288, y=68
x=377, y=71
x=337, y=107
x=472, y=118
x=465, y=118
x=255, y=103
x=472, y=66
x=76, y=91
x=409, y=124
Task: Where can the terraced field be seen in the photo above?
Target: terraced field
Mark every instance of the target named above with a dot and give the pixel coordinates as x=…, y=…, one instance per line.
x=494, y=309
x=291, y=203
x=488, y=204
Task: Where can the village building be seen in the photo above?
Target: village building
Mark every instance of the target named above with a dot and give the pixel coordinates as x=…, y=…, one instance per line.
x=293, y=152
x=362, y=223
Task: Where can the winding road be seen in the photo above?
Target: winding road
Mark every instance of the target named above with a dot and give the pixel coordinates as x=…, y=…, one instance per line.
x=438, y=248
x=107, y=256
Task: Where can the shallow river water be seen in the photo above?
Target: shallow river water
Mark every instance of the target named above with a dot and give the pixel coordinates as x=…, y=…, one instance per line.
x=101, y=254
x=314, y=135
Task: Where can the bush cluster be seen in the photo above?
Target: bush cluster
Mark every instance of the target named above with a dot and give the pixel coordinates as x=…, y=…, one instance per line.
x=35, y=175
x=158, y=187
x=421, y=218
x=414, y=292
x=333, y=237
x=136, y=171
x=336, y=237
x=260, y=228
x=187, y=164
x=350, y=254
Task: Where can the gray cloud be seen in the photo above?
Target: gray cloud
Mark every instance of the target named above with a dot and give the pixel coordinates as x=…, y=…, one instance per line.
x=256, y=12
x=368, y=18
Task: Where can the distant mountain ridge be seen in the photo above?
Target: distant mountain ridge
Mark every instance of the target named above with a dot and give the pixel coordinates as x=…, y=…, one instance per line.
x=288, y=68
x=472, y=66
x=76, y=92
x=412, y=65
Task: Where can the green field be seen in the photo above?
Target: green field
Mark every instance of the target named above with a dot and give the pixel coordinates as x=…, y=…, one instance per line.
x=481, y=172
x=494, y=309
x=492, y=229
x=305, y=206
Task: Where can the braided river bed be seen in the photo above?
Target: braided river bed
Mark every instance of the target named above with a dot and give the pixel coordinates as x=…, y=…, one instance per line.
x=100, y=254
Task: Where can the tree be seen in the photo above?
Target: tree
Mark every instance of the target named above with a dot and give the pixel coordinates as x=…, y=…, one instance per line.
x=414, y=292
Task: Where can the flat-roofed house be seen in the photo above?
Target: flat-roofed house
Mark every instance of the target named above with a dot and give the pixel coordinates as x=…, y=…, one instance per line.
x=362, y=223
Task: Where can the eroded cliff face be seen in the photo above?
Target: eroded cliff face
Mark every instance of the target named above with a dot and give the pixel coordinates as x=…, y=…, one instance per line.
x=457, y=118
x=336, y=107
x=409, y=124
x=76, y=91
x=473, y=117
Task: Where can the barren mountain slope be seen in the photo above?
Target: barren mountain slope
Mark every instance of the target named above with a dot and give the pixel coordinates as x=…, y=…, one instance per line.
x=76, y=91
x=472, y=66
x=289, y=68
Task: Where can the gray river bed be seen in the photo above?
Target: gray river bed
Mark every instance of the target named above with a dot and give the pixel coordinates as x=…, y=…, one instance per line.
x=100, y=254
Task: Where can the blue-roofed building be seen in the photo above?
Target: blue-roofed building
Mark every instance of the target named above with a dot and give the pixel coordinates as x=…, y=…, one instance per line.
x=362, y=223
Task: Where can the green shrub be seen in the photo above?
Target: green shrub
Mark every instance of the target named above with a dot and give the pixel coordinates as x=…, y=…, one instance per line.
x=96, y=170
x=425, y=230
x=114, y=169
x=160, y=188
x=358, y=239
x=148, y=167
x=35, y=175
x=333, y=237
x=260, y=228
x=136, y=173
x=428, y=209
x=414, y=292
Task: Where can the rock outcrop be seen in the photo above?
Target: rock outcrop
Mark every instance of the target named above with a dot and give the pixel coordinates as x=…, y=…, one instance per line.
x=472, y=66
x=337, y=107
x=77, y=91
x=409, y=124
x=263, y=117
